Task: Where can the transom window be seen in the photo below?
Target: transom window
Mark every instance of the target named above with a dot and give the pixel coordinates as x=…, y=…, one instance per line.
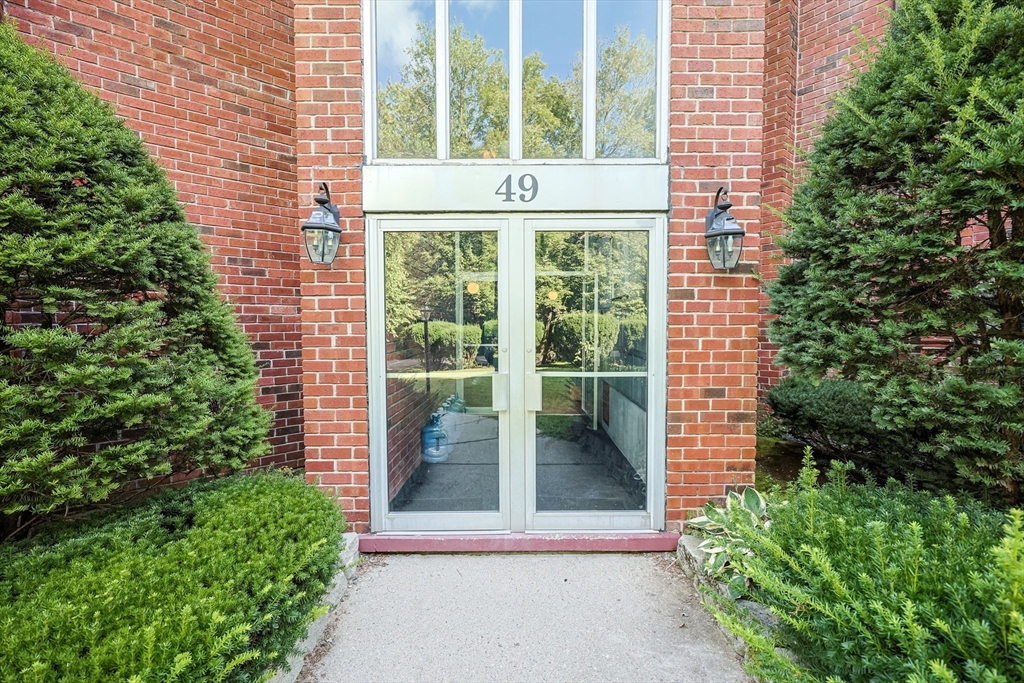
x=516, y=79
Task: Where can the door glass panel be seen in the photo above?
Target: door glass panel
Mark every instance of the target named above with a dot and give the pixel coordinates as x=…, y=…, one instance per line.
x=406, y=83
x=441, y=331
x=591, y=301
x=478, y=52
x=552, y=79
x=591, y=331
x=626, y=78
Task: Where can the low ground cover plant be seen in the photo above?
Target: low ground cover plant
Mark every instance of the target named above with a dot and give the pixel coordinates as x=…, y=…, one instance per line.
x=212, y=582
x=878, y=583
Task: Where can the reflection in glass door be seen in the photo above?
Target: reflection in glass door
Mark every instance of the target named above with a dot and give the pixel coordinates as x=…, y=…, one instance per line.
x=541, y=424
x=441, y=338
x=591, y=331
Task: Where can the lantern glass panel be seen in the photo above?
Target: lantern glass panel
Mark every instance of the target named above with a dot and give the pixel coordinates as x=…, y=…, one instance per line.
x=733, y=247
x=321, y=245
x=716, y=251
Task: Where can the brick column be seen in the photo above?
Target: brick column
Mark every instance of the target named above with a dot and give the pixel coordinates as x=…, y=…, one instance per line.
x=811, y=55
x=717, y=71
x=329, y=78
x=779, y=159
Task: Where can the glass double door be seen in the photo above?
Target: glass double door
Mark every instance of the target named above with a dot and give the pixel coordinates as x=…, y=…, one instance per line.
x=511, y=375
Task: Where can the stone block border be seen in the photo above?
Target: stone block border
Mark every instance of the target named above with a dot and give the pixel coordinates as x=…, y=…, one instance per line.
x=349, y=558
x=691, y=559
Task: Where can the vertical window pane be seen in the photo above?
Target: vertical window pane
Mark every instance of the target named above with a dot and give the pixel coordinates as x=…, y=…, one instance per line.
x=406, y=82
x=478, y=51
x=552, y=79
x=626, y=78
x=441, y=336
x=591, y=327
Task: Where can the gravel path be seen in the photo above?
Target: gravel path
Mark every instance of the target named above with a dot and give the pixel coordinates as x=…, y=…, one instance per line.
x=522, y=617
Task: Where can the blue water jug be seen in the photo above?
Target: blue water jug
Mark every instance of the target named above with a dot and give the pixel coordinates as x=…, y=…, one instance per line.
x=434, y=441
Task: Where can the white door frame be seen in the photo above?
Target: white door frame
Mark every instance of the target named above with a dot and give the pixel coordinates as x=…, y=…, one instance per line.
x=517, y=445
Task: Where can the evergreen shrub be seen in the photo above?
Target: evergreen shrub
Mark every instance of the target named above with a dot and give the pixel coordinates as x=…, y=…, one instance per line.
x=882, y=583
x=213, y=582
x=444, y=337
x=568, y=330
x=118, y=360
x=834, y=417
x=907, y=245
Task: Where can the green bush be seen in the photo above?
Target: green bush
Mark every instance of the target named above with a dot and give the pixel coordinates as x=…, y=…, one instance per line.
x=444, y=338
x=489, y=332
x=215, y=581
x=568, y=341
x=634, y=336
x=906, y=260
x=834, y=417
x=118, y=360
x=883, y=583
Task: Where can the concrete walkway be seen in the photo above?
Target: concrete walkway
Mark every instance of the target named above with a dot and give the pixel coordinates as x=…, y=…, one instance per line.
x=522, y=617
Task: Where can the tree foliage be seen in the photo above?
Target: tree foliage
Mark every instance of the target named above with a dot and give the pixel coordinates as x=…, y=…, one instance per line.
x=118, y=361
x=907, y=256
x=552, y=107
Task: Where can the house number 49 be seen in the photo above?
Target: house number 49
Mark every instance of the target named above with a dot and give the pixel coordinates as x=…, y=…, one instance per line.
x=527, y=183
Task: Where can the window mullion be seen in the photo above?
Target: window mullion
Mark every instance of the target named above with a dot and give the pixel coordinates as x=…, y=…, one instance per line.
x=589, y=79
x=442, y=75
x=515, y=78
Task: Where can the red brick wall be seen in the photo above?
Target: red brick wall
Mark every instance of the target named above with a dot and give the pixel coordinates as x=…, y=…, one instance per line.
x=781, y=46
x=209, y=87
x=715, y=138
x=811, y=54
x=328, y=65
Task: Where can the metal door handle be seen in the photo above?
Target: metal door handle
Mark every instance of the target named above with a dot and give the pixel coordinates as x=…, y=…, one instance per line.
x=499, y=391
x=534, y=393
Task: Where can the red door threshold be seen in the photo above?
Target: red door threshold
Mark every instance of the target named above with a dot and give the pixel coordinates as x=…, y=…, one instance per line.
x=519, y=543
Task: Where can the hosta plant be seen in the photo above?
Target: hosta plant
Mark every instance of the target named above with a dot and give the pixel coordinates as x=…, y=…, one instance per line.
x=719, y=524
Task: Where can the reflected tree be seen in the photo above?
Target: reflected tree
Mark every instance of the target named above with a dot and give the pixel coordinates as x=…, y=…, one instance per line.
x=406, y=109
x=626, y=96
x=552, y=107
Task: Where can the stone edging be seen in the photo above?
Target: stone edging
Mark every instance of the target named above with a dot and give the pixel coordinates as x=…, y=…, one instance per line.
x=333, y=598
x=691, y=559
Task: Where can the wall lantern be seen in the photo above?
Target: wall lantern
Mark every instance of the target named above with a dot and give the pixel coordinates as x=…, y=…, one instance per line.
x=322, y=231
x=723, y=234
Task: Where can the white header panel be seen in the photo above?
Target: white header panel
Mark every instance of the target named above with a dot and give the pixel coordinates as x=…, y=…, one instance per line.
x=512, y=188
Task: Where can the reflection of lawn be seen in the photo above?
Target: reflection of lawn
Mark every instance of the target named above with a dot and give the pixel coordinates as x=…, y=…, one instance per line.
x=561, y=395
x=477, y=392
x=556, y=426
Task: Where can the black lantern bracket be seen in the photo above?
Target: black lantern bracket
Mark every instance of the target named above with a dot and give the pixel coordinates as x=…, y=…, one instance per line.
x=322, y=231
x=723, y=233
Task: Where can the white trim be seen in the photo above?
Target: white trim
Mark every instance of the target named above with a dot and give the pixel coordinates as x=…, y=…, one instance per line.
x=610, y=161
x=515, y=79
x=369, y=32
x=657, y=385
x=662, y=83
x=516, y=427
x=467, y=188
x=589, y=80
x=442, y=76
x=376, y=375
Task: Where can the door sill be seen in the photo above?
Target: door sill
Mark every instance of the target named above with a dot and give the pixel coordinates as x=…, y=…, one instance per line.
x=628, y=542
